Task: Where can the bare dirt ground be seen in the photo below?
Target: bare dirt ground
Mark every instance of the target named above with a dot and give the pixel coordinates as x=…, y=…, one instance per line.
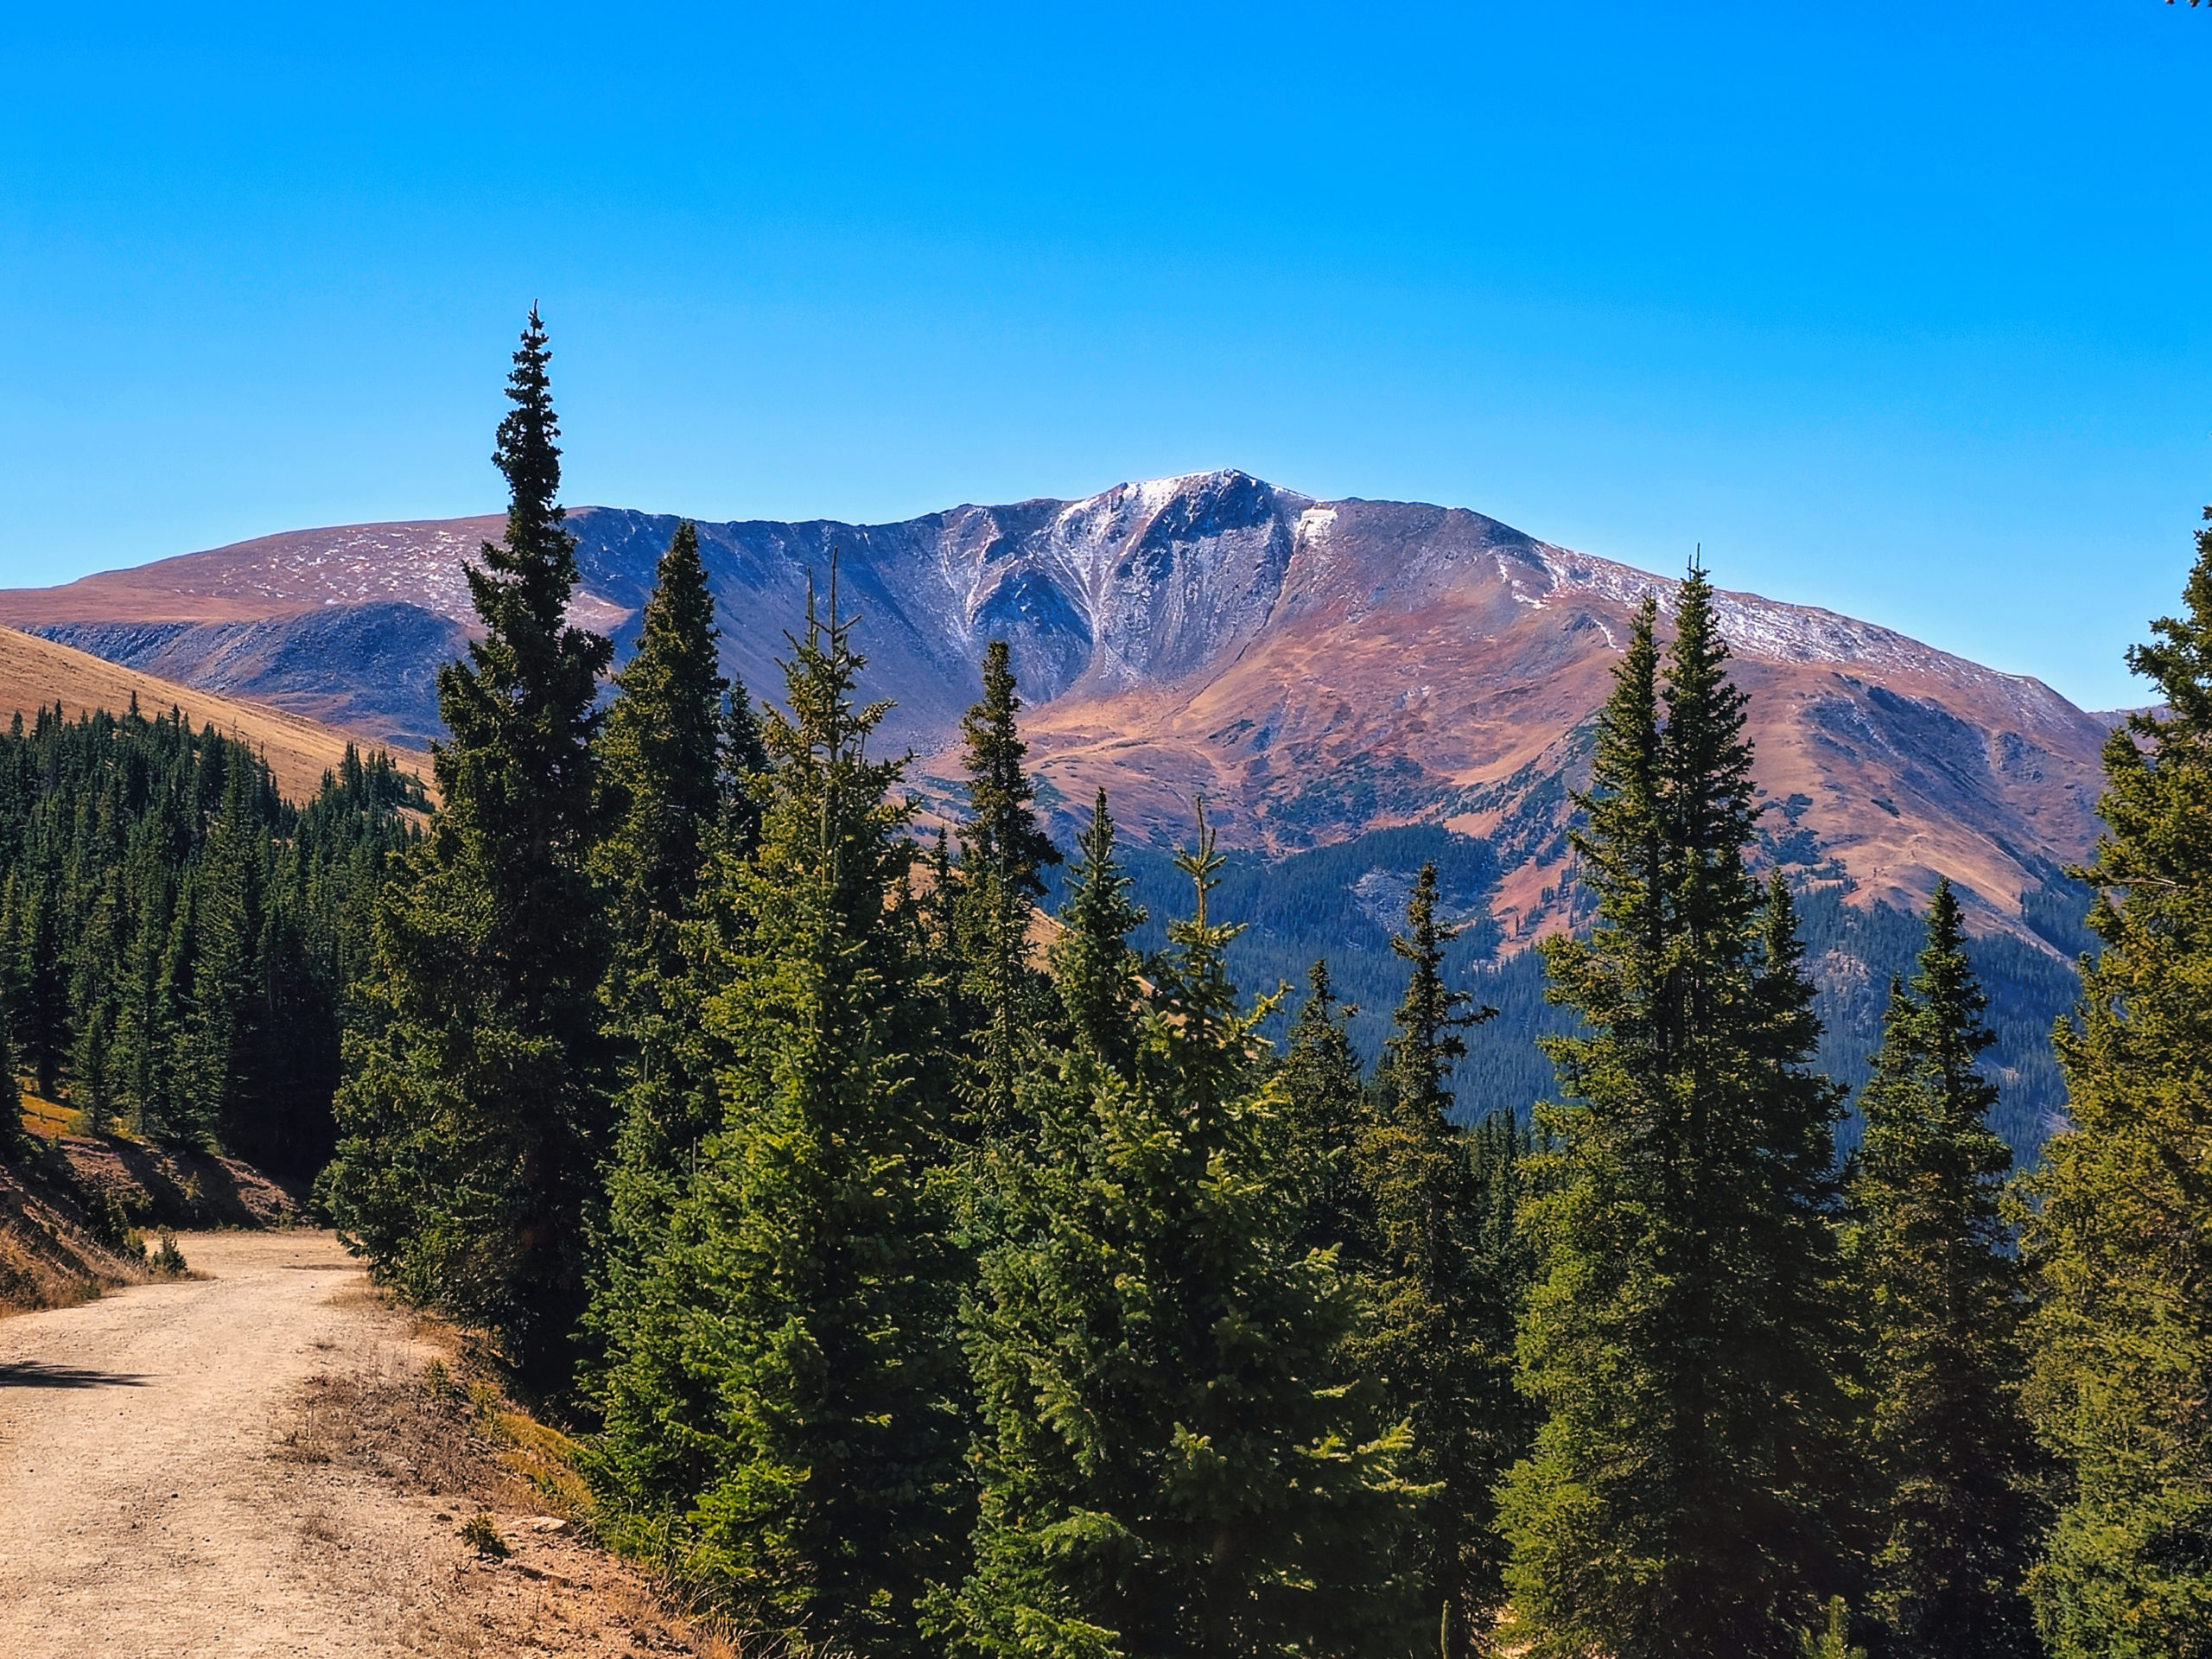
x=215, y=1466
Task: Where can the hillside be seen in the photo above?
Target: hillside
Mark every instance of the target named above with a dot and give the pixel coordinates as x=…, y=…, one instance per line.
x=36, y=673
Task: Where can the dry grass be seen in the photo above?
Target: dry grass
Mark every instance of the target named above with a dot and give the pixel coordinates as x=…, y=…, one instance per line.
x=45, y=1117
x=151, y=1186
x=417, y=1436
x=498, y=1492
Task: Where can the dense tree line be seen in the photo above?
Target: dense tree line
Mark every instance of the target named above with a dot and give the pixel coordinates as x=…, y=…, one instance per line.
x=1340, y=901
x=176, y=942
x=930, y=1280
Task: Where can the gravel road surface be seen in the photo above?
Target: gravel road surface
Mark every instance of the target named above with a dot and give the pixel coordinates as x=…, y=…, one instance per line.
x=146, y=1507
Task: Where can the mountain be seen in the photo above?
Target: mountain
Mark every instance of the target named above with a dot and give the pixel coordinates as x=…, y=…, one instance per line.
x=37, y=673
x=345, y=627
x=1352, y=685
x=1316, y=669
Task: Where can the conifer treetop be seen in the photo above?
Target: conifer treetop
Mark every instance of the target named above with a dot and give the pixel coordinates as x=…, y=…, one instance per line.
x=1421, y=1053
x=1707, y=762
x=1093, y=967
x=1000, y=836
x=1955, y=1002
x=824, y=792
x=525, y=451
x=1319, y=1058
x=537, y=556
x=521, y=712
x=662, y=742
x=1618, y=838
x=1204, y=1029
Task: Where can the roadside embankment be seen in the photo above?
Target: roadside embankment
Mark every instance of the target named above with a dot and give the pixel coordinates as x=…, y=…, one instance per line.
x=76, y=1210
x=160, y=1186
x=52, y=1254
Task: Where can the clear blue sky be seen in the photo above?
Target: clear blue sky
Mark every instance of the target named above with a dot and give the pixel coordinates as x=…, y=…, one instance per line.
x=1898, y=308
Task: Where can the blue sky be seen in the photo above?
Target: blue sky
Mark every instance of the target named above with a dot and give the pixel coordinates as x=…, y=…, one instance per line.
x=1896, y=308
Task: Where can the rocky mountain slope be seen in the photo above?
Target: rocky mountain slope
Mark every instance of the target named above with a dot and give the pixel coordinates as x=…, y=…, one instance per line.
x=1319, y=670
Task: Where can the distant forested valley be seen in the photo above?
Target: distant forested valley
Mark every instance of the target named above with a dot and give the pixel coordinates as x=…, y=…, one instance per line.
x=1342, y=903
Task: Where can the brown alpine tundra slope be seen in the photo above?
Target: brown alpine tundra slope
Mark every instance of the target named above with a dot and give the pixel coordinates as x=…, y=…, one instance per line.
x=37, y=673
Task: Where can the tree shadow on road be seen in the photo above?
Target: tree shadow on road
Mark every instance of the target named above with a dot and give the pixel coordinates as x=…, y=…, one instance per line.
x=36, y=1374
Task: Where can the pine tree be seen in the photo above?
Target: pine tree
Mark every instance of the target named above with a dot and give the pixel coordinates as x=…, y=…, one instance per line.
x=680, y=751
x=1326, y=1111
x=1497, y=1148
x=741, y=758
x=1425, y=1043
x=95, y=967
x=660, y=752
x=1166, y=1469
x=783, y=1427
x=91, y=1071
x=144, y=1024
x=2122, y=1236
x=1003, y=852
x=1094, y=970
x=1943, y=1293
x=473, y=1118
x=1441, y=1335
x=224, y=1099
x=1831, y=1637
x=1679, y=1336
x=43, y=978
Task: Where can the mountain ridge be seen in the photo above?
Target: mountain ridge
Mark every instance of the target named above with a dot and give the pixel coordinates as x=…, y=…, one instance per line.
x=1317, y=670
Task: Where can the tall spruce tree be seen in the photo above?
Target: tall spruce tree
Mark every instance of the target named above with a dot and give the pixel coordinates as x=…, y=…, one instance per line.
x=783, y=1426
x=474, y=1118
x=43, y=998
x=665, y=772
x=226, y=1091
x=1679, y=1336
x=1166, y=1469
x=1003, y=852
x=2121, y=1236
x=1943, y=1292
x=1094, y=969
x=1441, y=1335
x=1325, y=1112
x=147, y=1018
x=660, y=757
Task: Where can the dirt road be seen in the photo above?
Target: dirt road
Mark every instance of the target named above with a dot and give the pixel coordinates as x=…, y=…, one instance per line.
x=146, y=1506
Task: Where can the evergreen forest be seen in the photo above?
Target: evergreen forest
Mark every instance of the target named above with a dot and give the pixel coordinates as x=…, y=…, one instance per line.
x=178, y=945
x=925, y=1277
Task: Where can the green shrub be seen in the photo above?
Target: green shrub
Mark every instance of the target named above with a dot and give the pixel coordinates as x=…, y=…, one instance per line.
x=166, y=1259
